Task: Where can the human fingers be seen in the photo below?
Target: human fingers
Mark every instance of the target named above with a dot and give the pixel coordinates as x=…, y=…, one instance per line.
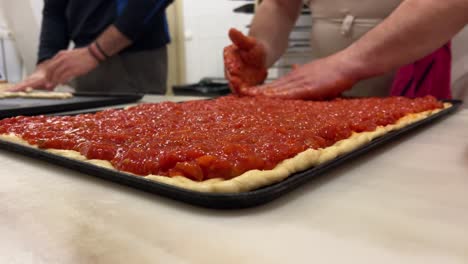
x=240, y=40
x=58, y=68
x=231, y=59
x=291, y=86
x=62, y=74
x=304, y=90
x=283, y=92
x=255, y=56
x=235, y=83
x=34, y=83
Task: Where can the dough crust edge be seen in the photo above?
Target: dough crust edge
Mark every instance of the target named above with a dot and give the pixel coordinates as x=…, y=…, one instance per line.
x=255, y=179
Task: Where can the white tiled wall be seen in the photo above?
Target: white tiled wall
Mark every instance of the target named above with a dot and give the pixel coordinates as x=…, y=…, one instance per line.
x=206, y=24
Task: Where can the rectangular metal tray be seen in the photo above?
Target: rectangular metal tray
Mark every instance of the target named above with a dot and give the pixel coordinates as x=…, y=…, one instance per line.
x=222, y=201
x=34, y=106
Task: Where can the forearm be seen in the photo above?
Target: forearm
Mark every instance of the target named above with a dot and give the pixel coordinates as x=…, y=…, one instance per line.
x=413, y=30
x=111, y=42
x=272, y=25
x=129, y=26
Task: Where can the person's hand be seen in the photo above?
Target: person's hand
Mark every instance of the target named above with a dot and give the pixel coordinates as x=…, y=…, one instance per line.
x=63, y=67
x=244, y=62
x=37, y=80
x=321, y=79
x=69, y=64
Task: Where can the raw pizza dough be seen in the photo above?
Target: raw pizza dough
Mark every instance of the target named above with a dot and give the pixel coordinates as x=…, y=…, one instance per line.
x=255, y=179
x=30, y=93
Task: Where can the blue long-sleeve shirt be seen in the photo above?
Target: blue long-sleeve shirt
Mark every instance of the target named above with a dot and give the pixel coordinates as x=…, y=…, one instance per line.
x=82, y=21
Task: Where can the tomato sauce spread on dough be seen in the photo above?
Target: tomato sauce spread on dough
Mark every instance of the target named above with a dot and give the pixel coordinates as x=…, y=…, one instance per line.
x=223, y=137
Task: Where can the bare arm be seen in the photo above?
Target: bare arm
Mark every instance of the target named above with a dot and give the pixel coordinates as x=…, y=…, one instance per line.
x=128, y=27
x=69, y=64
x=247, y=59
x=111, y=42
x=272, y=25
x=413, y=30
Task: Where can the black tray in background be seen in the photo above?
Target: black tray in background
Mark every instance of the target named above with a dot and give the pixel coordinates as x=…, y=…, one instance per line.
x=205, y=87
x=34, y=106
x=223, y=200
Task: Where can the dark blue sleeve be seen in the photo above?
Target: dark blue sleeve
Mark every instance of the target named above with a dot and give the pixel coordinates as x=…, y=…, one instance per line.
x=54, y=34
x=138, y=15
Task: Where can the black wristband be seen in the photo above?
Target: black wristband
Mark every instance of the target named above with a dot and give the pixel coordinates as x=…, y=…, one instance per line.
x=100, y=49
x=95, y=56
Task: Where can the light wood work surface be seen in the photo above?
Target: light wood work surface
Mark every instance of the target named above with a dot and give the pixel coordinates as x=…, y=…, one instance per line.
x=406, y=202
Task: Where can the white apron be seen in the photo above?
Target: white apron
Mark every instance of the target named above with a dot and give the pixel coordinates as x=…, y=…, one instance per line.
x=338, y=23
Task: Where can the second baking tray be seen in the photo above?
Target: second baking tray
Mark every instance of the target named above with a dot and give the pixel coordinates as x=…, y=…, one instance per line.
x=227, y=200
x=34, y=106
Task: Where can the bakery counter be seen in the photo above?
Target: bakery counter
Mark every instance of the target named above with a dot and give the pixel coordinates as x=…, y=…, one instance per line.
x=405, y=202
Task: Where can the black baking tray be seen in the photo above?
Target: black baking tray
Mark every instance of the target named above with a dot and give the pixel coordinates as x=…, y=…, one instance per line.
x=205, y=87
x=223, y=200
x=34, y=106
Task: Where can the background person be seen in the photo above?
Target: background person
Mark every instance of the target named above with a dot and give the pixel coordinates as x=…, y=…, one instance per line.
x=413, y=30
x=120, y=46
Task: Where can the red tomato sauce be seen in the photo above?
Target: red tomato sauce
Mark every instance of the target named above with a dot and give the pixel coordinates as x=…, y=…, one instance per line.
x=224, y=137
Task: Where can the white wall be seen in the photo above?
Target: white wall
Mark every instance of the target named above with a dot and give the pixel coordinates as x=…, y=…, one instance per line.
x=2, y=32
x=10, y=63
x=37, y=9
x=206, y=24
x=22, y=20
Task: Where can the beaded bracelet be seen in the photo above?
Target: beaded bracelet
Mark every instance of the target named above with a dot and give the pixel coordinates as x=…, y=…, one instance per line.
x=100, y=49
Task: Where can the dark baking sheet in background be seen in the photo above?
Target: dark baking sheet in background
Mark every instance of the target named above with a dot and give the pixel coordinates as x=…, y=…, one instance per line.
x=34, y=106
x=205, y=87
x=221, y=201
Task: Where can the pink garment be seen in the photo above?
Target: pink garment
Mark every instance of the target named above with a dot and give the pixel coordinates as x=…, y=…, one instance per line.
x=427, y=76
